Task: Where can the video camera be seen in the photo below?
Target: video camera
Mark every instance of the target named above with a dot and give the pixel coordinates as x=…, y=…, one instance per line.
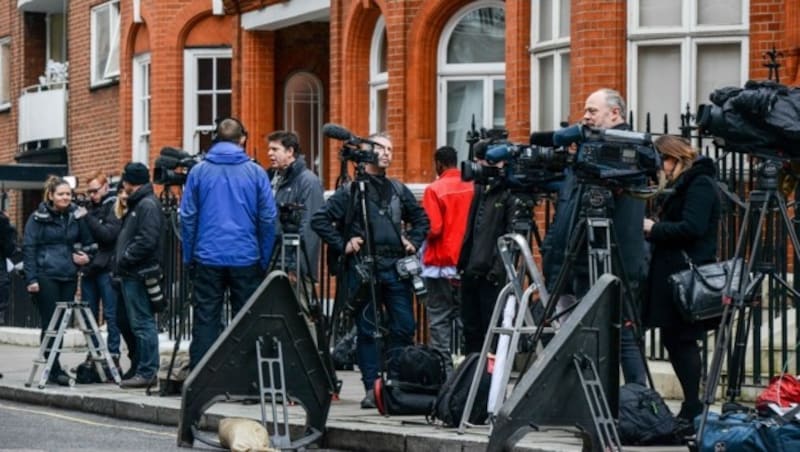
x=173, y=166
x=352, y=148
x=290, y=215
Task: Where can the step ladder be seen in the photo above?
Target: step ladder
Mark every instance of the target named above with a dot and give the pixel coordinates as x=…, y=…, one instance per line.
x=513, y=304
x=54, y=335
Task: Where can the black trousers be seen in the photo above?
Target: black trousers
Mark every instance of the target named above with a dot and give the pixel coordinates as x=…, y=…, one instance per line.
x=50, y=292
x=478, y=297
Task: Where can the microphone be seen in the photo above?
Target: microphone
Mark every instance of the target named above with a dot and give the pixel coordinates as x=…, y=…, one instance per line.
x=544, y=139
x=337, y=132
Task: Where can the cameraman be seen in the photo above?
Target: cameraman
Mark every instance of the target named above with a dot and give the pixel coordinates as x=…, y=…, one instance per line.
x=389, y=205
x=605, y=108
x=228, y=229
x=298, y=193
x=491, y=214
x=96, y=281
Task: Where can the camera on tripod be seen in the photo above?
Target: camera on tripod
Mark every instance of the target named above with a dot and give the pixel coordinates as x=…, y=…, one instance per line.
x=173, y=166
x=290, y=215
x=410, y=268
x=355, y=149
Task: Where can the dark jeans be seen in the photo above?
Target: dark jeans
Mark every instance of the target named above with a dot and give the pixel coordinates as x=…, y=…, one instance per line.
x=441, y=306
x=143, y=324
x=50, y=292
x=478, y=297
x=395, y=297
x=125, y=329
x=98, y=287
x=208, y=297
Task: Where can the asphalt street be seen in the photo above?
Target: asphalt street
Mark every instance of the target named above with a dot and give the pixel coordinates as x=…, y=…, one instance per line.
x=39, y=428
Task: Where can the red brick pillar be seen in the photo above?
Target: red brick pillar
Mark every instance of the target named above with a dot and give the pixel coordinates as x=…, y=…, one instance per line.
x=518, y=70
x=257, y=102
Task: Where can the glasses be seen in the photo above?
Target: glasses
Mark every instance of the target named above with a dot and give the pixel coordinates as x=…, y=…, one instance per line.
x=92, y=191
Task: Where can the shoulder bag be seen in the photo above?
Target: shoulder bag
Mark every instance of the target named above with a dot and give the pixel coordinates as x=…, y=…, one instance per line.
x=698, y=290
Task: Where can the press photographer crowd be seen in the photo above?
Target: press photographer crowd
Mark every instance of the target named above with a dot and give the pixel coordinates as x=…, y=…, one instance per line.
x=644, y=209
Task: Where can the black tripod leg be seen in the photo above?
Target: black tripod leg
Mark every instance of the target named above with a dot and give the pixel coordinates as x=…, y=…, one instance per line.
x=715, y=372
x=737, y=359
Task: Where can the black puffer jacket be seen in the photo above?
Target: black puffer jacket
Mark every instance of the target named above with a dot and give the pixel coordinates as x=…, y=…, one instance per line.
x=139, y=245
x=48, y=243
x=104, y=226
x=688, y=221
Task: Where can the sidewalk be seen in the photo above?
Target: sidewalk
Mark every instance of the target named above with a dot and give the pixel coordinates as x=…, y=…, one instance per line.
x=348, y=426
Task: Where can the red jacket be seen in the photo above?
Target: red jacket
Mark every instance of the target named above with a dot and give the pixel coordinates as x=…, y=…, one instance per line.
x=446, y=201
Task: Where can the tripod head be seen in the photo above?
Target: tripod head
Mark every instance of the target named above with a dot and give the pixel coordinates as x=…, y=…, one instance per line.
x=596, y=201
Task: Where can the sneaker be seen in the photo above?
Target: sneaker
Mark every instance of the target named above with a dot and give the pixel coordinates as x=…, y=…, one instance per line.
x=137, y=381
x=368, y=402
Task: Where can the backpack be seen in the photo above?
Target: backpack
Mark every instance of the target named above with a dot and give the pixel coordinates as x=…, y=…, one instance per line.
x=86, y=373
x=422, y=372
x=644, y=418
x=452, y=398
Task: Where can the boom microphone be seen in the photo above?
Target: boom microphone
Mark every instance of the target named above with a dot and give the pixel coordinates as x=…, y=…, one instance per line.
x=336, y=132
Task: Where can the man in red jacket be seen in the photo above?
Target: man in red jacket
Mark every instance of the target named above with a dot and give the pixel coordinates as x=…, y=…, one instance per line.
x=446, y=201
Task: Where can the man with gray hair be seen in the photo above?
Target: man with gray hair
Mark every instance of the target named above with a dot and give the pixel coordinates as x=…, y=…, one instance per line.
x=228, y=230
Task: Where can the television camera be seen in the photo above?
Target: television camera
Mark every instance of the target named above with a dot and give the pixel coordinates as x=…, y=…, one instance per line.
x=173, y=166
x=355, y=149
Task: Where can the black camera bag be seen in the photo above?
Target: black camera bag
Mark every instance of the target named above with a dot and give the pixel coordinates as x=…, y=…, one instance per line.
x=452, y=399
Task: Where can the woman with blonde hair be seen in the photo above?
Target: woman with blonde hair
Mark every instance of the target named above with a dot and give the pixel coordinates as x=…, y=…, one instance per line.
x=687, y=220
x=52, y=253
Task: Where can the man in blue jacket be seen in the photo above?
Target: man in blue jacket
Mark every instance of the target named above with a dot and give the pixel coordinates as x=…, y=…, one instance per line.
x=228, y=231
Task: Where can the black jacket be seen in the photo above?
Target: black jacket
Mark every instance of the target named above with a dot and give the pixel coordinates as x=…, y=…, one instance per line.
x=139, y=245
x=688, y=220
x=48, y=243
x=104, y=226
x=335, y=226
x=491, y=215
x=299, y=185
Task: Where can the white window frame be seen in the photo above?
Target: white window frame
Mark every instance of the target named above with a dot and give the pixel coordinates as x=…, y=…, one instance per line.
x=140, y=132
x=313, y=153
x=450, y=72
x=554, y=48
x=191, y=129
x=688, y=36
x=5, y=67
x=378, y=81
x=108, y=73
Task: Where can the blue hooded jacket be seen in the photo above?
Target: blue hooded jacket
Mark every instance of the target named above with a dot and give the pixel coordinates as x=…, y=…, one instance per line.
x=227, y=210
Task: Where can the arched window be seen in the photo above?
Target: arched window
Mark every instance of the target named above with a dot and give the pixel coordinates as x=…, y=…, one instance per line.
x=471, y=62
x=303, y=116
x=378, y=78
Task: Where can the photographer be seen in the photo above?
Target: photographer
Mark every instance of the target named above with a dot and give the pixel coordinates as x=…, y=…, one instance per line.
x=389, y=205
x=96, y=281
x=605, y=108
x=491, y=214
x=52, y=250
x=8, y=246
x=298, y=193
x=228, y=230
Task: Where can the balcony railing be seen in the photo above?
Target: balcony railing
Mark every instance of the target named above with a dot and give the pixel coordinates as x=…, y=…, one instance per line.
x=43, y=113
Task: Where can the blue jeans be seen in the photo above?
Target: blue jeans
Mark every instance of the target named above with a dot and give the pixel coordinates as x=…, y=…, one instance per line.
x=208, y=297
x=98, y=287
x=395, y=297
x=143, y=324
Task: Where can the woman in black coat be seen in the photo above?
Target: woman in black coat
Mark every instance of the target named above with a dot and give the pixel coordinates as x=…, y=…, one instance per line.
x=687, y=221
x=52, y=253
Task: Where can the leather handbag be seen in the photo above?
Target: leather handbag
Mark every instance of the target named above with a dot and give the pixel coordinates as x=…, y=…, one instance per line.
x=698, y=290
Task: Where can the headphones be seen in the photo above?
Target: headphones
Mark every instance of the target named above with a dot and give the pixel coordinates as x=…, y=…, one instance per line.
x=218, y=121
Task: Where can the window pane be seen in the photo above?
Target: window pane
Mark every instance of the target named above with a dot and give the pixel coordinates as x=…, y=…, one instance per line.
x=205, y=73
x=719, y=12
x=563, y=16
x=5, y=66
x=205, y=109
x=102, y=38
x=659, y=13
x=565, y=66
x=546, y=93
x=499, y=106
x=479, y=37
x=383, y=50
x=223, y=105
x=718, y=65
x=205, y=141
x=464, y=101
x=223, y=73
x=545, y=20
x=56, y=37
x=382, y=102
x=659, y=90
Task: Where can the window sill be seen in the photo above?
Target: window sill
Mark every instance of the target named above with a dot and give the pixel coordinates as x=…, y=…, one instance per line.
x=5, y=108
x=104, y=84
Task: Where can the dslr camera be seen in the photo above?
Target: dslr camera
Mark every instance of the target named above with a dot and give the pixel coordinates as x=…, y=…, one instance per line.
x=410, y=268
x=173, y=166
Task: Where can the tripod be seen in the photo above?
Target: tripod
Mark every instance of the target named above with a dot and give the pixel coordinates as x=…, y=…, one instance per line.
x=740, y=301
x=595, y=230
